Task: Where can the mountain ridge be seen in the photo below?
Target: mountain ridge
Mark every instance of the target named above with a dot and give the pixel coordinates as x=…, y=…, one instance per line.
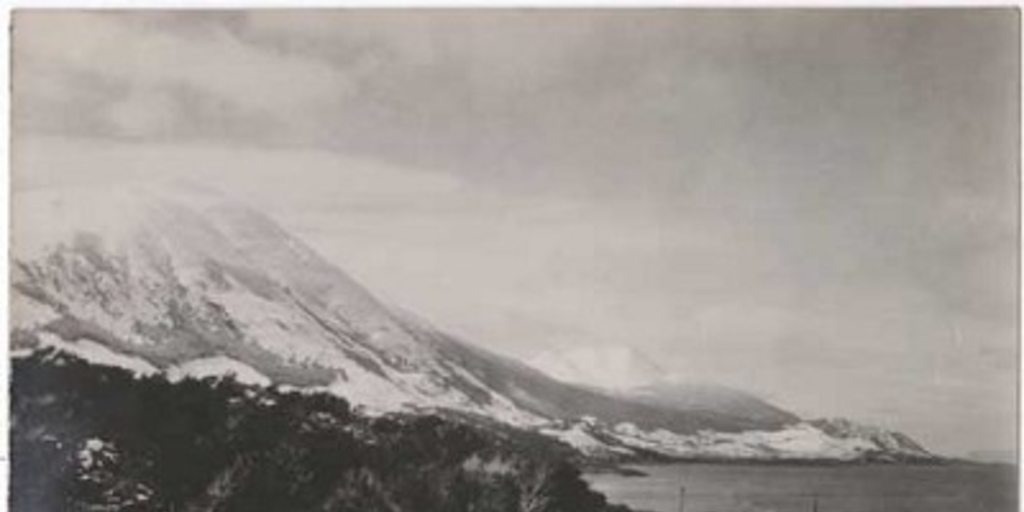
x=185, y=281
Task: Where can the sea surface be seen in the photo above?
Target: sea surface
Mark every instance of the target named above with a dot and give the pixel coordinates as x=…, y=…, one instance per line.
x=800, y=488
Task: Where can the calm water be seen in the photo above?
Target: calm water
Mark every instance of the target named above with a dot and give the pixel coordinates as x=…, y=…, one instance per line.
x=763, y=488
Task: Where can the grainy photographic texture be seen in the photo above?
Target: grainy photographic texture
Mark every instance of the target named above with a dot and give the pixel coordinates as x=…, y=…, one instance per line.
x=515, y=260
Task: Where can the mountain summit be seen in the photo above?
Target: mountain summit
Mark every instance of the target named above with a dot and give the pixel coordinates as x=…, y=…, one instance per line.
x=191, y=285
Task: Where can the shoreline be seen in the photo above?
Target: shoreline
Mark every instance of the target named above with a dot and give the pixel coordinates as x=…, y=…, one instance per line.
x=632, y=468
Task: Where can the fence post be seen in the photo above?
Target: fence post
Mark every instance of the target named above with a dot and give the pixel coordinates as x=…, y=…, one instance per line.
x=814, y=502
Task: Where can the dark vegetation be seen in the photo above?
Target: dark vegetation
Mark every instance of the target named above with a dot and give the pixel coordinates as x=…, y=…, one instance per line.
x=88, y=438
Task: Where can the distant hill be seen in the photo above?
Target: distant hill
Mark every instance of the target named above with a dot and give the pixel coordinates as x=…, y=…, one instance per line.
x=724, y=401
x=629, y=374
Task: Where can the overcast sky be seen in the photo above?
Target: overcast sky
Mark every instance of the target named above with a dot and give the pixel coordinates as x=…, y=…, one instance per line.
x=819, y=207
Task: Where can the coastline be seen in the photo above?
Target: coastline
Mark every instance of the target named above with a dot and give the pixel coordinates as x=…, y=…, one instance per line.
x=631, y=468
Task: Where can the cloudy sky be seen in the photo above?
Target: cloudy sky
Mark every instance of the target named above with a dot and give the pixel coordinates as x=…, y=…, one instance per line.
x=819, y=207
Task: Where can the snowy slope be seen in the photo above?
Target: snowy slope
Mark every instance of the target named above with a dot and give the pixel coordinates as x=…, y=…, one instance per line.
x=218, y=366
x=191, y=286
x=801, y=441
x=178, y=281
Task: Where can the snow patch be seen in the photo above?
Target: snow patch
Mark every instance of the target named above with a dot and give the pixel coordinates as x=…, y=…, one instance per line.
x=801, y=441
x=92, y=450
x=218, y=366
x=98, y=354
x=373, y=394
x=578, y=437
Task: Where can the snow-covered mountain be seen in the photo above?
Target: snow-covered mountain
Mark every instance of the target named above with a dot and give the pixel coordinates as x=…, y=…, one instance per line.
x=172, y=281
x=628, y=373
x=189, y=285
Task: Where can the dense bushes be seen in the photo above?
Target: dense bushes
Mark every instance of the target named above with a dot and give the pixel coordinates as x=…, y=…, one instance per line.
x=91, y=438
